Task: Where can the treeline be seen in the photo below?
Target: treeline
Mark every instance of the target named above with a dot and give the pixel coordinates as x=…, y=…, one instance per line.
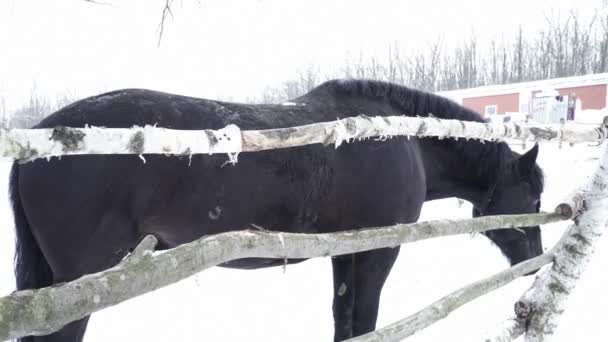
x=565, y=47
x=35, y=109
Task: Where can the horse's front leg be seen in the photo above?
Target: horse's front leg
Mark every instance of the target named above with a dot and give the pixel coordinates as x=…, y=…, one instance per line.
x=358, y=282
x=371, y=269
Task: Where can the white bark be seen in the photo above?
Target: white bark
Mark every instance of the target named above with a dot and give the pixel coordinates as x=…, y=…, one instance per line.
x=43, y=143
x=29, y=144
x=544, y=303
x=46, y=310
x=362, y=127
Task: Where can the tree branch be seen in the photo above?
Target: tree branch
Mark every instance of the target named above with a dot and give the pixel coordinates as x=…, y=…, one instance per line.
x=166, y=12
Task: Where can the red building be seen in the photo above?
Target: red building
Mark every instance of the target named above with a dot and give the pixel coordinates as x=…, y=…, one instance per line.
x=590, y=90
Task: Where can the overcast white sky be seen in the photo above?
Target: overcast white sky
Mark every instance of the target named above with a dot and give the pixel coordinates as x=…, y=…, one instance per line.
x=227, y=48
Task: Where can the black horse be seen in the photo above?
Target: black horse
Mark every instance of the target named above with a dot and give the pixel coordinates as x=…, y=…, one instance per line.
x=82, y=214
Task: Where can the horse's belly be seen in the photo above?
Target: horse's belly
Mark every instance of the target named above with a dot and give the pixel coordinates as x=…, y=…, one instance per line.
x=255, y=263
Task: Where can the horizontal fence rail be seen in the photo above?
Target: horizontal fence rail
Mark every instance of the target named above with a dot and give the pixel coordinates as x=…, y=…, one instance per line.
x=29, y=144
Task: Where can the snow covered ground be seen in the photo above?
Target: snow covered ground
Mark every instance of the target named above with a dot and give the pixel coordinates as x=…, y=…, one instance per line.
x=269, y=305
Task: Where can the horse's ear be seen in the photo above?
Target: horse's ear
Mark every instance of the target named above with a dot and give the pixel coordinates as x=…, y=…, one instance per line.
x=528, y=160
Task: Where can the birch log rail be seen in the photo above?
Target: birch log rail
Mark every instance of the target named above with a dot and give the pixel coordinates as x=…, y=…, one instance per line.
x=45, y=310
x=29, y=144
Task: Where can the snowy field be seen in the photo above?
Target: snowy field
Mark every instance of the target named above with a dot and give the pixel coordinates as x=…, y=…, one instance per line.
x=269, y=305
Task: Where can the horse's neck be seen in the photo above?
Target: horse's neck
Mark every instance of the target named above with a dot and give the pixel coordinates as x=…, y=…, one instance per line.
x=446, y=176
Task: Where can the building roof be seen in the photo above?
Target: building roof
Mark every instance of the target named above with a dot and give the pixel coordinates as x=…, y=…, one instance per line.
x=564, y=82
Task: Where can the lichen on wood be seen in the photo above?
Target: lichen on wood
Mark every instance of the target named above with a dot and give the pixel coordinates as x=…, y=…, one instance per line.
x=71, y=139
x=136, y=143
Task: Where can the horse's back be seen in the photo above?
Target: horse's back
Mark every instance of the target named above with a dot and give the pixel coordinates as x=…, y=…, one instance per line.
x=138, y=107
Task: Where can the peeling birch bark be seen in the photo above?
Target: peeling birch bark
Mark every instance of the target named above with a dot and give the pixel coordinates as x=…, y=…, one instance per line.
x=543, y=304
x=46, y=310
x=363, y=127
x=31, y=144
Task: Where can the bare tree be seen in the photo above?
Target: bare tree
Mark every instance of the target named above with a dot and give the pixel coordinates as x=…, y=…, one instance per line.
x=575, y=46
x=165, y=13
x=394, y=59
x=449, y=79
x=518, y=56
x=494, y=63
x=32, y=112
x=3, y=113
x=559, y=33
x=466, y=60
x=600, y=63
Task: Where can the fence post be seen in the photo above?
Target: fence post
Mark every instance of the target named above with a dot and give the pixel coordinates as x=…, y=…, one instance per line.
x=544, y=303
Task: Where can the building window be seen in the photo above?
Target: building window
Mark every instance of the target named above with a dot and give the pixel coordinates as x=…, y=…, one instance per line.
x=491, y=109
x=524, y=108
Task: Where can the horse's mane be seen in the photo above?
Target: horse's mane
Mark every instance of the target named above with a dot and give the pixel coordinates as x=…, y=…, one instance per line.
x=484, y=161
x=412, y=102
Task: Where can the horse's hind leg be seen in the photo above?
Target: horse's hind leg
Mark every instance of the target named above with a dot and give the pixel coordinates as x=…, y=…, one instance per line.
x=102, y=248
x=371, y=270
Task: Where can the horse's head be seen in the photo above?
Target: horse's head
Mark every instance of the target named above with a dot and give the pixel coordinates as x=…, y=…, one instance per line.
x=516, y=191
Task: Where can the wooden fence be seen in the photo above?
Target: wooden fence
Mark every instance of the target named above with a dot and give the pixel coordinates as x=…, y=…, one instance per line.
x=43, y=311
